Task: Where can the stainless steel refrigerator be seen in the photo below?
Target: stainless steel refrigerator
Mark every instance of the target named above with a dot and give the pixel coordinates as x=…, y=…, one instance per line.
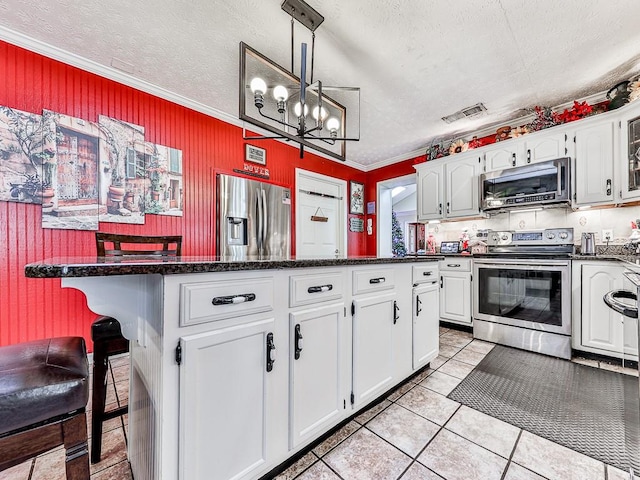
x=253, y=219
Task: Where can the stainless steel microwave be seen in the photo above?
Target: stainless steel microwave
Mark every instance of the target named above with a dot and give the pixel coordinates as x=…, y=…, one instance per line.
x=543, y=183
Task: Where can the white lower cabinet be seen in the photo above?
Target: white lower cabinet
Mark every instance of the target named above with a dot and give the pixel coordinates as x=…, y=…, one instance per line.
x=455, y=290
x=317, y=370
x=373, y=332
x=225, y=401
x=426, y=332
x=597, y=328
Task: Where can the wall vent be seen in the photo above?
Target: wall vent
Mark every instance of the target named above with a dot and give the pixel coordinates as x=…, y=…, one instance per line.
x=468, y=112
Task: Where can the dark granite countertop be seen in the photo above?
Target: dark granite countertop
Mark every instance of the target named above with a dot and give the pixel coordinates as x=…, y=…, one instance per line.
x=139, y=265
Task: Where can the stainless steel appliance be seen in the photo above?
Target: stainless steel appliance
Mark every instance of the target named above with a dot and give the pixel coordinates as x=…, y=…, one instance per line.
x=522, y=290
x=588, y=243
x=253, y=219
x=544, y=183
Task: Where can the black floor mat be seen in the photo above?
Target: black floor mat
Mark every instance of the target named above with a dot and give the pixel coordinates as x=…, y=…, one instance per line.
x=592, y=411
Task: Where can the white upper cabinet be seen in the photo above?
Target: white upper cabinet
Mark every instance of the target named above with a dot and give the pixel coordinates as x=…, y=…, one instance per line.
x=430, y=191
x=531, y=148
x=593, y=163
x=502, y=155
x=629, y=141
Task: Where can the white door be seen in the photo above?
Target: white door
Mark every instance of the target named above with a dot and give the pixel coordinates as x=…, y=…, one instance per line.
x=501, y=157
x=317, y=368
x=320, y=216
x=430, y=193
x=601, y=326
x=462, y=178
x=373, y=325
x=455, y=297
x=545, y=146
x=594, y=164
x=224, y=386
x=425, y=324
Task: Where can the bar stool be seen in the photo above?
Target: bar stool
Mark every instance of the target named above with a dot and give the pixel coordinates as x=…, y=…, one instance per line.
x=44, y=388
x=106, y=332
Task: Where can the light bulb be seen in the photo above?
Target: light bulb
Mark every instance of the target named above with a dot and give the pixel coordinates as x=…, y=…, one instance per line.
x=280, y=93
x=333, y=125
x=297, y=109
x=258, y=85
x=322, y=113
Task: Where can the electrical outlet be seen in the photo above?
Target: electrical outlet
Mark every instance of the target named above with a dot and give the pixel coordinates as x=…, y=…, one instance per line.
x=607, y=235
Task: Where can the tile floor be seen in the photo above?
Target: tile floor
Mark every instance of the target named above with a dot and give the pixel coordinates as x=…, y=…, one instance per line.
x=416, y=433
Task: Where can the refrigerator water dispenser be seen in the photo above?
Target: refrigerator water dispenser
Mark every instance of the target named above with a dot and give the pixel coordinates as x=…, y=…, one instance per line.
x=236, y=231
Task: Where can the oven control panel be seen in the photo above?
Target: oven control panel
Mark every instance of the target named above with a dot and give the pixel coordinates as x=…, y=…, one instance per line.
x=550, y=236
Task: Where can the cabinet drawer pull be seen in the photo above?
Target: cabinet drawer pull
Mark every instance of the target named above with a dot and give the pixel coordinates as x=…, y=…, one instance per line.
x=298, y=343
x=231, y=299
x=271, y=352
x=513, y=159
x=453, y=265
x=395, y=312
x=320, y=288
x=427, y=274
x=418, y=303
x=377, y=280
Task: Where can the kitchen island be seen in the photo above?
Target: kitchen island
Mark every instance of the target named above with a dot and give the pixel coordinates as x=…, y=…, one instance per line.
x=209, y=397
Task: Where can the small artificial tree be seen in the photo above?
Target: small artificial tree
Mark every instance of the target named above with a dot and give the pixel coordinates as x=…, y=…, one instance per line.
x=397, y=238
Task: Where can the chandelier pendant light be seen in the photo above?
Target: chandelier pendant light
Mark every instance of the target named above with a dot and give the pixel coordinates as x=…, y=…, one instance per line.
x=289, y=107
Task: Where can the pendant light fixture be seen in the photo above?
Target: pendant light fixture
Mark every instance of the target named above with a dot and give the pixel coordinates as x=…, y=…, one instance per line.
x=289, y=106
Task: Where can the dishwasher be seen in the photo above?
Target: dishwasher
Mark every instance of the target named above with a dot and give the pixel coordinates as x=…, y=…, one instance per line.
x=426, y=307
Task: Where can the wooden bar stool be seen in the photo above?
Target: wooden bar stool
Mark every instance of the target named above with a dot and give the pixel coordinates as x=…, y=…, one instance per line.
x=44, y=388
x=106, y=332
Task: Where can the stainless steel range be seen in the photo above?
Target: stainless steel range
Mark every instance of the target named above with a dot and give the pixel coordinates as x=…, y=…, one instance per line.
x=522, y=290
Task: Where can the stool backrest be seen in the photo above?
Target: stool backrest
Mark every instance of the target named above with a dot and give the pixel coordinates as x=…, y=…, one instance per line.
x=117, y=241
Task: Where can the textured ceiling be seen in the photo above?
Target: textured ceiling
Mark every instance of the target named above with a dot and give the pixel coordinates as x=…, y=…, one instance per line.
x=414, y=60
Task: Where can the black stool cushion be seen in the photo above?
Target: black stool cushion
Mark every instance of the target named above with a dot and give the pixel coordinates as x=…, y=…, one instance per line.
x=105, y=328
x=41, y=380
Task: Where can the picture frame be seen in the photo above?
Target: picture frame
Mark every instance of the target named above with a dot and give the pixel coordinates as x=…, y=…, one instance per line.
x=356, y=198
x=255, y=154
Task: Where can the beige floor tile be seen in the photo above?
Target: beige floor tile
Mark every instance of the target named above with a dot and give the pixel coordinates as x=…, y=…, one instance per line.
x=516, y=472
x=397, y=393
x=19, y=472
x=448, y=350
x=120, y=373
x=429, y=404
x=555, y=461
x=119, y=471
x=417, y=471
x=456, y=458
x=111, y=394
x=404, y=429
x=437, y=362
x=50, y=466
x=119, y=360
x=486, y=431
x=113, y=450
x=422, y=375
x=456, y=369
x=319, y=471
x=366, y=456
x=336, y=438
x=469, y=356
x=122, y=391
x=367, y=415
x=614, y=473
x=619, y=369
x=298, y=467
x=454, y=340
x=586, y=361
x=481, y=346
x=441, y=383
x=107, y=425
x=443, y=330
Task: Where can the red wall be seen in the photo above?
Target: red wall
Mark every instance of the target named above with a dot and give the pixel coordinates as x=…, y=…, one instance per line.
x=36, y=308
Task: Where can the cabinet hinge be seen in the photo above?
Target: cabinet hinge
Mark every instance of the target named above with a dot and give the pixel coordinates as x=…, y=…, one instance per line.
x=353, y=398
x=353, y=309
x=179, y=354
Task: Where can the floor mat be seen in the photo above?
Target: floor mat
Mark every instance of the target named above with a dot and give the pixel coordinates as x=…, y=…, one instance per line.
x=592, y=411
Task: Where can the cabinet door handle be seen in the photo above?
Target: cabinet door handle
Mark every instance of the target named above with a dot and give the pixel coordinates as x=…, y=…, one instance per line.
x=440, y=209
x=608, y=186
x=448, y=207
x=230, y=299
x=528, y=155
x=453, y=265
x=377, y=280
x=298, y=341
x=513, y=159
x=271, y=352
x=418, y=303
x=320, y=288
x=427, y=274
x=440, y=281
x=395, y=312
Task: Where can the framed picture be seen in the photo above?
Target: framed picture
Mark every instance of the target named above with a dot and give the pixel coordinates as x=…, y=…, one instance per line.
x=356, y=198
x=255, y=154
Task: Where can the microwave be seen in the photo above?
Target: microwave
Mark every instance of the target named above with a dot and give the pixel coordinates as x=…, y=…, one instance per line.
x=540, y=184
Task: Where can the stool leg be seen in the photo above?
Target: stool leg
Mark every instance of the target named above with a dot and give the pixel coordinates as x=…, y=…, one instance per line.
x=74, y=432
x=100, y=368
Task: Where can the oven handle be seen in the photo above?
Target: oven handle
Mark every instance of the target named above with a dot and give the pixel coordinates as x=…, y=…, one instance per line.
x=611, y=299
x=507, y=264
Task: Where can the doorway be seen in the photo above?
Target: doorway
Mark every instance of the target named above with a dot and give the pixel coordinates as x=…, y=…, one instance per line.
x=321, y=212
x=397, y=195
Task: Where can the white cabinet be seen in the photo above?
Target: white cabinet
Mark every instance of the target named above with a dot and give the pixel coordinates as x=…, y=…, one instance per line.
x=531, y=148
x=593, y=164
x=629, y=160
x=374, y=319
x=318, y=367
x=426, y=333
x=502, y=156
x=449, y=188
x=455, y=290
x=226, y=386
x=597, y=328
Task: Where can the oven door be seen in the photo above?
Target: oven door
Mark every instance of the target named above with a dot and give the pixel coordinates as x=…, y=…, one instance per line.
x=531, y=293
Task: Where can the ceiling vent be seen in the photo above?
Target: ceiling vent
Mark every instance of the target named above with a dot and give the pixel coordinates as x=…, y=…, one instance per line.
x=468, y=112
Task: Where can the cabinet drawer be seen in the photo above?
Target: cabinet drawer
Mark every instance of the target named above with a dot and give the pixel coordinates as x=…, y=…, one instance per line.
x=373, y=280
x=210, y=301
x=426, y=273
x=314, y=288
x=455, y=264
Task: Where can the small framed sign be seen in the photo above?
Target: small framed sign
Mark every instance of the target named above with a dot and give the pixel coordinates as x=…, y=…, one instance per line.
x=356, y=198
x=255, y=154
